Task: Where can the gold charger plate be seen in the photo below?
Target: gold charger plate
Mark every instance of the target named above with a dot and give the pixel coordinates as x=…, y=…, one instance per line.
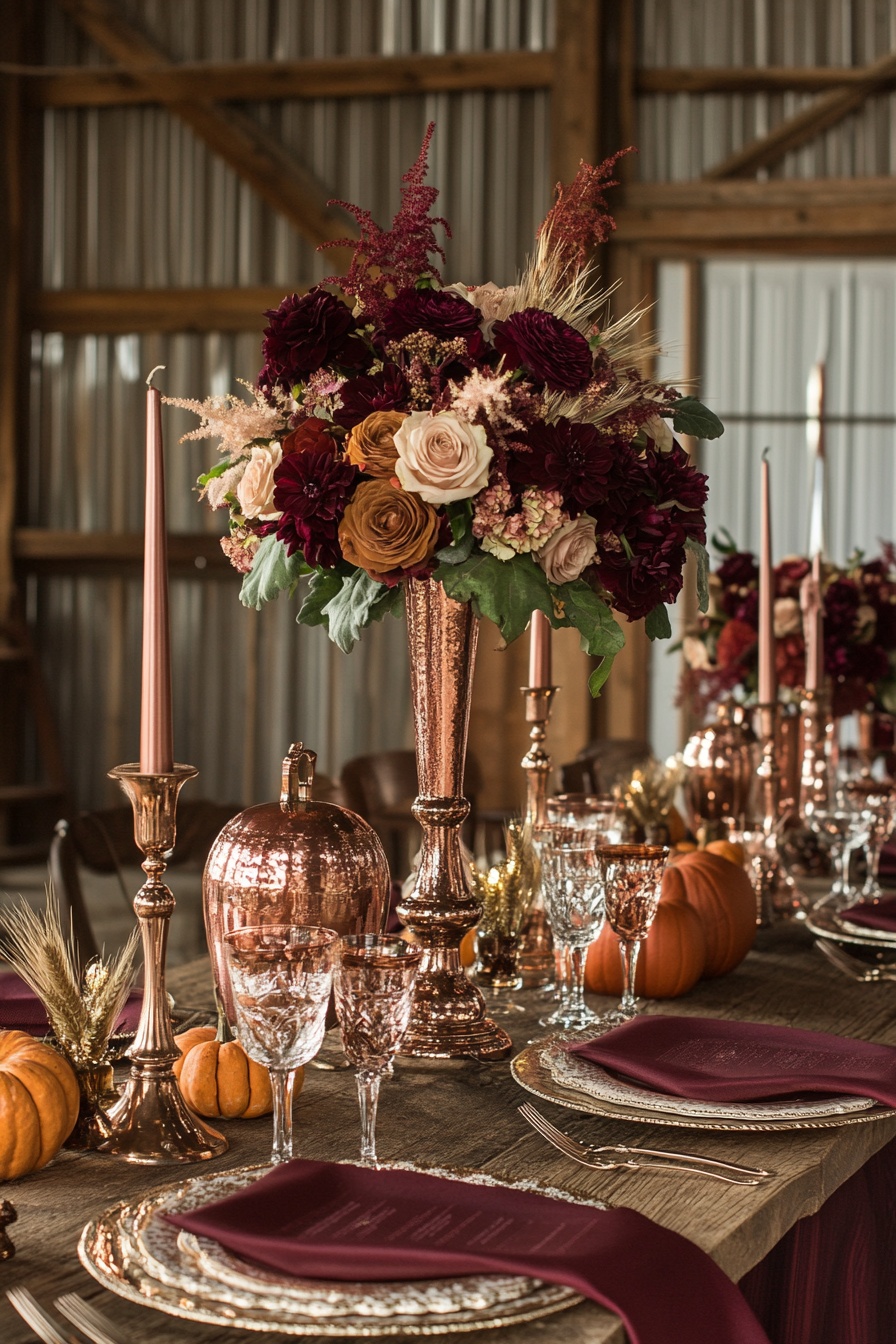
x=536, y=1077
x=826, y=921
x=133, y=1252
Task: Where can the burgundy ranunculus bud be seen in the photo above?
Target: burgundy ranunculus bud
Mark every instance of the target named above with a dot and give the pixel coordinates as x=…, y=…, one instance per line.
x=306, y=332
x=435, y=311
x=384, y=391
x=549, y=348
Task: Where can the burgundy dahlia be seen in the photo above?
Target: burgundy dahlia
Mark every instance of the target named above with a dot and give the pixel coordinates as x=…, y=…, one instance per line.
x=436, y=311
x=678, y=483
x=738, y=576
x=549, y=348
x=311, y=490
x=653, y=573
x=564, y=456
x=384, y=391
x=306, y=332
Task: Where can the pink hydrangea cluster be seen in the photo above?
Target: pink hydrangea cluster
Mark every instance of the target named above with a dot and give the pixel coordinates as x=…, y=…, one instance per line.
x=506, y=523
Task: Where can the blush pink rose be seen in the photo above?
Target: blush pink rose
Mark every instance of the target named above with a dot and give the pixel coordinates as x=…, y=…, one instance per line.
x=441, y=458
x=569, y=550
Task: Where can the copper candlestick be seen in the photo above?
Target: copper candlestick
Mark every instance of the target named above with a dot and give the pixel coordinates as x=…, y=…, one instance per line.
x=536, y=953
x=152, y=1123
x=814, y=769
x=768, y=773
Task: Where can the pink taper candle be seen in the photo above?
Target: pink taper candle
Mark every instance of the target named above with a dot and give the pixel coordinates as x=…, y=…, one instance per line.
x=767, y=680
x=156, y=737
x=813, y=624
x=539, y=650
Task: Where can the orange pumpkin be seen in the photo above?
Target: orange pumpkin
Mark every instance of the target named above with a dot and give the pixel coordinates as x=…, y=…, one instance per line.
x=670, y=962
x=39, y=1102
x=723, y=897
x=217, y=1077
x=467, y=945
x=732, y=850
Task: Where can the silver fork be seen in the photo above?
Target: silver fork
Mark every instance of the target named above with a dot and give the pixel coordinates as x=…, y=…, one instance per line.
x=90, y=1321
x=609, y=1157
x=852, y=966
x=39, y=1321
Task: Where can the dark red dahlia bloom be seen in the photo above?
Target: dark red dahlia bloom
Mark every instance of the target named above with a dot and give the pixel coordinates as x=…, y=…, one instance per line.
x=311, y=491
x=549, y=348
x=436, y=311
x=384, y=391
x=306, y=332
x=654, y=571
x=841, y=605
x=738, y=575
x=747, y=608
x=564, y=456
x=789, y=575
x=677, y=483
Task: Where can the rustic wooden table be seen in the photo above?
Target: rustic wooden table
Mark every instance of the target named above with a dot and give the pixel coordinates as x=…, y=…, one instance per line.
x=464, y=1113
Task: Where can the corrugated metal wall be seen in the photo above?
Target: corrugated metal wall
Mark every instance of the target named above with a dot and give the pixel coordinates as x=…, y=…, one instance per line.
x=131, y=198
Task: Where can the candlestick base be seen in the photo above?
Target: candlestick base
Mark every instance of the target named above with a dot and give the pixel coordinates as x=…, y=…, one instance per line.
x=776, y=896
x=152, y=1123
x=536, y=951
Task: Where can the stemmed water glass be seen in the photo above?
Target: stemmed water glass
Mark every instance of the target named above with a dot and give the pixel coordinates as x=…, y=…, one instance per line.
x=632, y=877
x=281, y=976
x=574, y=895
x=374, y=987
x=875, y=801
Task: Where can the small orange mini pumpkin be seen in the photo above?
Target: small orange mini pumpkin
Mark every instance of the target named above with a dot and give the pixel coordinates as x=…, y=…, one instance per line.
x=39, y=1101
x=670, y=962
x=217, y=1077
x=723, y=897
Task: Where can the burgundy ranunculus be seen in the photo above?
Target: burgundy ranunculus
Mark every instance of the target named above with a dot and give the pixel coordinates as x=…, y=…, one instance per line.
x=552, y=351
x=436, y=311
x=384, y=391
x=306, y=332
x=789, y=575
x=572, y=458
x=310, y=490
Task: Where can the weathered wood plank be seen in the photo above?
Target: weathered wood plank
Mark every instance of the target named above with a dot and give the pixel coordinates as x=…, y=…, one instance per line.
x=270, y=81
x=46, y=550
x=575, y=97
x=79, y=312
x=747, y=79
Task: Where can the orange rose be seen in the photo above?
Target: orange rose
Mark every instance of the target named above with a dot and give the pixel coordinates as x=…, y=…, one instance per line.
x=384, y=528
x=311, y=436
x=371, y=445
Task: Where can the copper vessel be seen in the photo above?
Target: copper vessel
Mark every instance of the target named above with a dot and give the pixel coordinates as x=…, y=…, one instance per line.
x=448, y=1016
x=293, y=862
x=721, y=761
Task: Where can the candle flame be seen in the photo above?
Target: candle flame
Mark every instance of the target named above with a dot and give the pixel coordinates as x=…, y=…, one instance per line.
x=153, y=374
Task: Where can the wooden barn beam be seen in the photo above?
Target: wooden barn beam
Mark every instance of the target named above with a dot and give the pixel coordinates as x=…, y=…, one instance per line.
x=749, y=79
x=11, y=225
x=83, y=312
x=804, y=126
x=270, y=81
x=575, y=97
x=52, y=551
x=244, y=144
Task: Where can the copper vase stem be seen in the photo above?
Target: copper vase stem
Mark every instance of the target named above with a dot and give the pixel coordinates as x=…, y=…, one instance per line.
x=448, y=1017
x=152, y=1123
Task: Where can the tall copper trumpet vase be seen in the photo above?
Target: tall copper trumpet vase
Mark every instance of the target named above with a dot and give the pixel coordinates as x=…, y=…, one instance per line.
x=152, y=1123
x=448, y=1016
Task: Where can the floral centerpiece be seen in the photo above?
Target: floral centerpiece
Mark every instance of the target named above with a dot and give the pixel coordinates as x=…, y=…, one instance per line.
x=500, y=441
x=859, y=608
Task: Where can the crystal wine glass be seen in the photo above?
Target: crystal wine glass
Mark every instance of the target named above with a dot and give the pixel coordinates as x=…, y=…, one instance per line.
x=574, y=894
x=875, y=799
x=374, y=986
x=632, y=876
x=281, y=976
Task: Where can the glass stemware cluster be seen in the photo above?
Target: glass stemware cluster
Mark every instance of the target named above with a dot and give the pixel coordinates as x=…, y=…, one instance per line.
x=282, y=977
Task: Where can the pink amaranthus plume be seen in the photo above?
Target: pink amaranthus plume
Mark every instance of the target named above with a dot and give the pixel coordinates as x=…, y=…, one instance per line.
x=579, y=219
x=386, y=261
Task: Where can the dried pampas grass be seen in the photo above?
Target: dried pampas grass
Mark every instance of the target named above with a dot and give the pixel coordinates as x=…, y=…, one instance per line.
x=83, y=1006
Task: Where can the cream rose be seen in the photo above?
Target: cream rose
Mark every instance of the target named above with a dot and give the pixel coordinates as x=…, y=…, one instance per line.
x=255, y=491
x=788, y=618
x=440, y=458
x=657, y=429
x=494, y=302
x=569, y=550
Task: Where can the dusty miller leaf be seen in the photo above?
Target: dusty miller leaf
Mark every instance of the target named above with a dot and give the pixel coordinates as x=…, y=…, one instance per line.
x=272, y=572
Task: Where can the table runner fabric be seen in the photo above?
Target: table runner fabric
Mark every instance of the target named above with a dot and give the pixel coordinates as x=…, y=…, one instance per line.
x=830, y=1279
x=874, y=915
x=361, y=1224
x=22, y=1010
x=712, y=1059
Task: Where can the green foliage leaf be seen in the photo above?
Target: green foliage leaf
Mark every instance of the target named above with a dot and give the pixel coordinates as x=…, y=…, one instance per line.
x=324, y=586
x=506, y=591
x=690, y=416
x=354, y=606
x=701, y=555
x=213, y=472
x=599, y=676
x=458, y=552
x=724, y=543
x=599, y=632
x=272, y=572
x=657, y=624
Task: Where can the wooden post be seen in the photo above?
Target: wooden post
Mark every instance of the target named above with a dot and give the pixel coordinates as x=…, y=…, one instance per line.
x=575, y=99
x=10, y=302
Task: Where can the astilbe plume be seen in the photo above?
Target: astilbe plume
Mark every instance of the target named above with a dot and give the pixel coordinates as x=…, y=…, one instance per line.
x=579, y=219
x=386, y=261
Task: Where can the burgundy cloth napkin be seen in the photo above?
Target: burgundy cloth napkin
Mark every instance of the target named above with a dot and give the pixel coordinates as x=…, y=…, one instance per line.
x=709, y=1059
x=22, y=1010
x=887, y=870
x=326, y=1220
x=879, y=915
